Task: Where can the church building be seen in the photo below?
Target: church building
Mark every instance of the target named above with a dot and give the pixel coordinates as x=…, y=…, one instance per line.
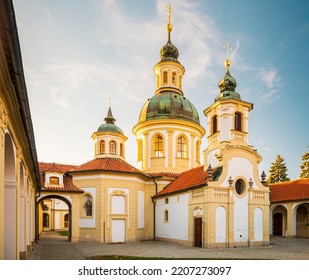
x=170, y=195
x=176, y=193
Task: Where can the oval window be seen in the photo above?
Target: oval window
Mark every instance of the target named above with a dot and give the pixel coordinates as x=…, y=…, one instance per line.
x=240, y=186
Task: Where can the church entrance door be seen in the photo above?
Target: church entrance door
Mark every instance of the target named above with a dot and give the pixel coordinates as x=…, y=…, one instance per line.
x=118, y=231
x=278, y=223
x=198, y=232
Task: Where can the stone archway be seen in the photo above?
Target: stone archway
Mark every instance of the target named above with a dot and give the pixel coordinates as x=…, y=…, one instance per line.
x=69, y=204
x=279, y=220
x=302, y=220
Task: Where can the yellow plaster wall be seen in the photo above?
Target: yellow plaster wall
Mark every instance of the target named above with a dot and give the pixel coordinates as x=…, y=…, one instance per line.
x=103, y=231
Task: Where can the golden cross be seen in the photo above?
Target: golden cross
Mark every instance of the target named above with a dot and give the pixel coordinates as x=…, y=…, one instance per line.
x=169, y=12
x=228, y=48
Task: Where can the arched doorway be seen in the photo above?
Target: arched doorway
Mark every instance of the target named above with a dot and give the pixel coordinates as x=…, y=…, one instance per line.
x=10, y=192
x=302, y=221
x=278, y=224
x=279, y=220
x=46, y=217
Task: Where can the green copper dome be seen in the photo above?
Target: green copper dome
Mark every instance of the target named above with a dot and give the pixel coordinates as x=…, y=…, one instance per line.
x=169, y=52
x=227, y=87
x=109, y=125
x=169, y=105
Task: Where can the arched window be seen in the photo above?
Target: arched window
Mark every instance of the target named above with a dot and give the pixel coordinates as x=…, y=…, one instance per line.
x=88, y=209
x=214, y=124
x=158, y=145
x=102, y=147
x=165, y=216
x=164, y=78
x=54, y=180
x=238, y=121
x=112, y=147
x=181, y=147
x=174, y=78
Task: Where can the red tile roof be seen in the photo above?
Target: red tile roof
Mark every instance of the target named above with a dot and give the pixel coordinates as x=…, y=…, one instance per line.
x=68, y=185
x=187, y=180
x=108, y=164
x=289, y=191
x=62, y=189
x=55, y=167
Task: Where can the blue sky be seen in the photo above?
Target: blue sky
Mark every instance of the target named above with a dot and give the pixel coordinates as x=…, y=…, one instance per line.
x=76, y=54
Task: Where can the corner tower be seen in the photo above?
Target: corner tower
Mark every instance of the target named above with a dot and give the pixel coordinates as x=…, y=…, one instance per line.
x=168, y=132
x=227, y=119
x=246, y=205
x=109, y=139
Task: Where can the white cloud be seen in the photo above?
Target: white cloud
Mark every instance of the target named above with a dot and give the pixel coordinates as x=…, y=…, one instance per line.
x=272, y=81
x=270, y=78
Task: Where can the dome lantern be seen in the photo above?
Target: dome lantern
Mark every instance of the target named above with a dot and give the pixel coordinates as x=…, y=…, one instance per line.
x=109, y=125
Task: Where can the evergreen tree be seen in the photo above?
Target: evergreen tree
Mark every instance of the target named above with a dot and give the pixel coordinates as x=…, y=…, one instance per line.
x=278, y=171
x=304, y=168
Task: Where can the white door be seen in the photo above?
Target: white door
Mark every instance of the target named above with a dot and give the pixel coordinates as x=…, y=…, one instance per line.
x=118, y=230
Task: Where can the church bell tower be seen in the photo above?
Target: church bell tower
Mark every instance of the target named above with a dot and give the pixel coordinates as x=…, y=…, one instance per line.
x=227, y=119
x=168, y=132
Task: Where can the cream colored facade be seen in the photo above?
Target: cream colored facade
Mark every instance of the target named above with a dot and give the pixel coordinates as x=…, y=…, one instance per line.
x=118, y=197
x=19, y=179
x=170, y=131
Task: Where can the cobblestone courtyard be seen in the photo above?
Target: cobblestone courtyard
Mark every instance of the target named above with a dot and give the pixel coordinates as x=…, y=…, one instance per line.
x=54, y=247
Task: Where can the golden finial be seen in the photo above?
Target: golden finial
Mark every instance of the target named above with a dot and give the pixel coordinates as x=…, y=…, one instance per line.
x=227, y=61
x=169, y=26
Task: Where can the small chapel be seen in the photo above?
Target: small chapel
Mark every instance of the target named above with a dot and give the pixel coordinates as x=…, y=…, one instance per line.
x=172, y=194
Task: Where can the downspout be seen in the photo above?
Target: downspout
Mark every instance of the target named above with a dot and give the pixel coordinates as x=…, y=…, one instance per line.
x=154, y=208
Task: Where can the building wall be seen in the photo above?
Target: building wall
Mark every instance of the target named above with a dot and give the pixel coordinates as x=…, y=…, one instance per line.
x=175, y=226
x=170, y=131
x=17, y=189
x=116, y=196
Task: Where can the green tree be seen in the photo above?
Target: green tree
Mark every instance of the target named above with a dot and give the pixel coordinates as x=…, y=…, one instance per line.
x=278, y=171
x=304, y=168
